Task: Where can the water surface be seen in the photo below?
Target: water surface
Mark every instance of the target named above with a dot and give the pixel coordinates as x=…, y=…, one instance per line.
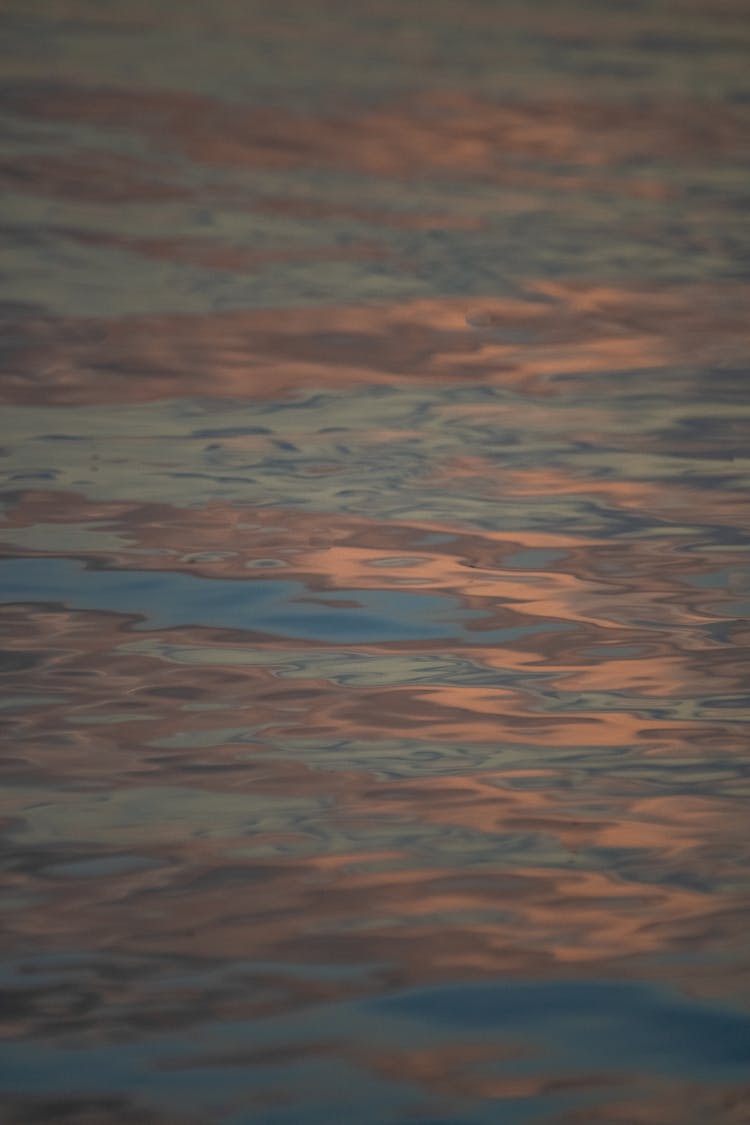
x=373, y=568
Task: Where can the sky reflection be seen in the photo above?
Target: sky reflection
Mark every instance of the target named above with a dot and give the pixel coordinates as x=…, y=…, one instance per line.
x=373, y=563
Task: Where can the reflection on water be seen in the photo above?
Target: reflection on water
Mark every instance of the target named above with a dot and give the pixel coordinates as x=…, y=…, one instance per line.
x=373, y=574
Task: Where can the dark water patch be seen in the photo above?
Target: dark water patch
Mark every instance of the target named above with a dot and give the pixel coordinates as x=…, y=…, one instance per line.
x=14, y=661
x=103, y=866
x=601, y=1023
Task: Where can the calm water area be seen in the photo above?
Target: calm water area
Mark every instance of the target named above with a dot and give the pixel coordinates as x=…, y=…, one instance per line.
x=374, y=585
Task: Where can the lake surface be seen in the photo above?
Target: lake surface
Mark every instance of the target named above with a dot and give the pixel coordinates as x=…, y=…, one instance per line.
x=374, y=562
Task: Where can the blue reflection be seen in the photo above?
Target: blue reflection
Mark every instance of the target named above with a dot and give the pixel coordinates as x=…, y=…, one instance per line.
x=166, y=599
x=605, y=1023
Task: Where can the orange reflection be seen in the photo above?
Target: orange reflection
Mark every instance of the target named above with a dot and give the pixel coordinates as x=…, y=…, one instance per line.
x=436, y=131
x=264, y=354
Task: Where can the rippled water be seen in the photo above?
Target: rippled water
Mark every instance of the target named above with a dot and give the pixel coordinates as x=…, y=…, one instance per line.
x=374, y=569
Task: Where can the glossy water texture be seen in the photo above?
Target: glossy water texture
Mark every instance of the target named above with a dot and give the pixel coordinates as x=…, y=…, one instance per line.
x=374, y=562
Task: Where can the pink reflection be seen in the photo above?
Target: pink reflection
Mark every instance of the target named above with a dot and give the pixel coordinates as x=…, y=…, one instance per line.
x=579, y=332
